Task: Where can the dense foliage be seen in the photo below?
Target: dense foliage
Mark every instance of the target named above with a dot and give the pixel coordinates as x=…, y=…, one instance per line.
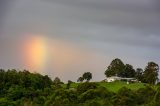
x=22, y=88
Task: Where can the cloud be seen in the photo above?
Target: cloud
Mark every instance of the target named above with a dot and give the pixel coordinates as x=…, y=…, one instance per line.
x=128, y=29
x=111, y=20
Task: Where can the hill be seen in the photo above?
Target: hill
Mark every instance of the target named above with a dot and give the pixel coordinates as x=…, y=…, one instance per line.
x=114, y=86
x=22, y=88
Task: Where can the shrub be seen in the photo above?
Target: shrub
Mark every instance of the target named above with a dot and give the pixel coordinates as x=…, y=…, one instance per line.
x=125, y=97
x=83, y=87
x=145, y=95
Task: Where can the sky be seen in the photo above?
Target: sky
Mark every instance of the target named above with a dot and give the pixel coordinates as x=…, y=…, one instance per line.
x=66, y=38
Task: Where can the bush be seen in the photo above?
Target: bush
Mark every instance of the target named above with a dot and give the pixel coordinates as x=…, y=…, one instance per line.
x=62, y=97
x=145, y=95
x=88, y=95
x=5, y=102
x=92, y=103
x=125, y=97
x=83, y=87
x=157, y=97
x=95, y=94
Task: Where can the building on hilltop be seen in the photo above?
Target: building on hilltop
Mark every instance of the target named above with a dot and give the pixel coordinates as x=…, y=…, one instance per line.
x=112, y=79
x=116, y=78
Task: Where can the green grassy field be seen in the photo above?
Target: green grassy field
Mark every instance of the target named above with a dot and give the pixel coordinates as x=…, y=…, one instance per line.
x=115, y=86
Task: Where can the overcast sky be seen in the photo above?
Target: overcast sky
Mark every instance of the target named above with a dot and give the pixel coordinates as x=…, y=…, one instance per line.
x=78, y=35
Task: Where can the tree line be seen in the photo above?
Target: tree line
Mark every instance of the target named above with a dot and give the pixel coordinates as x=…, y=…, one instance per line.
x=119, y=69
x=148, y=75
x=23, y=88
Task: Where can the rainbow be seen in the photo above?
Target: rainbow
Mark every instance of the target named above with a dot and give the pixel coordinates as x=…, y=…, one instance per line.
x=36, y=52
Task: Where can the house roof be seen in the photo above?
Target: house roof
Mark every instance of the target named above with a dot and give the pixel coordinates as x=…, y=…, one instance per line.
x=115, y=77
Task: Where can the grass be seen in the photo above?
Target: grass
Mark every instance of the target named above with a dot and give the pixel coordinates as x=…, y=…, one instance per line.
x=114, y=86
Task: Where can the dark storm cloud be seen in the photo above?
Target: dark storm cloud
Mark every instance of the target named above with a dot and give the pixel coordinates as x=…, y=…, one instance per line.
x=119, y=12
x=132, y=22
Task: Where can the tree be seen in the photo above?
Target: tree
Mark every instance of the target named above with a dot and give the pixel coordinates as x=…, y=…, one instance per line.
x=151, y=73
x=128, y=72
x=2, y=75
x=80, y=79
x=69, y=84
x=87, y=76
x=139, y=74
x=47, y=81
x=57, y=81
x=115, y=68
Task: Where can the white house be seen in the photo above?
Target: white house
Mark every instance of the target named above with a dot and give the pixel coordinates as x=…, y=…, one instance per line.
x=113, y=78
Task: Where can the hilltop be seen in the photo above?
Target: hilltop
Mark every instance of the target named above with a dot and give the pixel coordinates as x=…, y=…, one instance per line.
x=114, y=86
